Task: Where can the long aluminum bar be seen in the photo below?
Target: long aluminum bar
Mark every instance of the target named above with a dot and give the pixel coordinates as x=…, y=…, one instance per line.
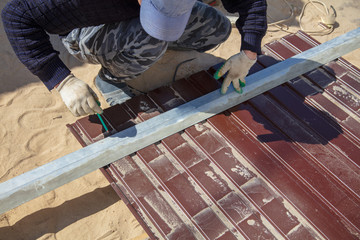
x=48, y=177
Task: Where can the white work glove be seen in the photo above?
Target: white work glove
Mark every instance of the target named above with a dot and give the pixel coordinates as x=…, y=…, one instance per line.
x=79, y=98
x=238, y=67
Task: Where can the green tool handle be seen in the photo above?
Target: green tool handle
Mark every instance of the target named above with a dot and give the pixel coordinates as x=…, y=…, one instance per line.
x=101, y=119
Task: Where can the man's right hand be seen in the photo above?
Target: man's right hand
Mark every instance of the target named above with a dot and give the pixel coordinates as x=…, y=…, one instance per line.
x=79, y=98
x=237, y=68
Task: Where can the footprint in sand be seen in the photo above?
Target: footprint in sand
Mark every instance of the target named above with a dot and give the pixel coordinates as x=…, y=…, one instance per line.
x=15, y=160
x=3, y=132
x=36, y=97
x=6, y=99
x=45, y=142
x=48, y=145
x=35, y=119
x=4, y=158
x=50, y=197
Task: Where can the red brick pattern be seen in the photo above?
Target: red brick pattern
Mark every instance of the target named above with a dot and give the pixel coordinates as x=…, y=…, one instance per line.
x=284, y=164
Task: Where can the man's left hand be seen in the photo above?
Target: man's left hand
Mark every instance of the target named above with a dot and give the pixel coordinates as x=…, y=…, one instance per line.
x=238, y=67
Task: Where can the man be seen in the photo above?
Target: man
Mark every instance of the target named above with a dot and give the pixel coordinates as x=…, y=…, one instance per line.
x=126, y=37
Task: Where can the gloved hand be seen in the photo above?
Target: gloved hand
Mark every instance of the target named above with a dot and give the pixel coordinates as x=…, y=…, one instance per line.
x=238, y=67
x=79, y=98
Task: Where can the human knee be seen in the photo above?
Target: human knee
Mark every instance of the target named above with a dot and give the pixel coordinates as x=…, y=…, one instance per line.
x=219, y=27
x=207, y=27
x=128, y=64
x=151, y=50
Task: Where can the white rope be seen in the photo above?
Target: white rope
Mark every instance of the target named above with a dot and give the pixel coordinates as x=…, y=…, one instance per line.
x=327, y=19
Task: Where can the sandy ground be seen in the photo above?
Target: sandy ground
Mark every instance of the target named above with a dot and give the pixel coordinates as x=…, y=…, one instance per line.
x=33, y=132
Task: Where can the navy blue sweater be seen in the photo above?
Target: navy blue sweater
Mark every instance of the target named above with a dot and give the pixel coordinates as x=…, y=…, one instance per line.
x=27, y=22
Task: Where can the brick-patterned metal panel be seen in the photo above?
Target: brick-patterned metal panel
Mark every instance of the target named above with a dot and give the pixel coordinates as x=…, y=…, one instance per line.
x=283, y=165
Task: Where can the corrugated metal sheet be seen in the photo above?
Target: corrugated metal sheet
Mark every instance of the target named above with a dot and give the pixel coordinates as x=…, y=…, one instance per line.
x=283, y=165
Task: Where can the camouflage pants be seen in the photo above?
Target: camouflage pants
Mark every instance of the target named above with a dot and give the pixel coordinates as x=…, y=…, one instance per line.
x=125, y=50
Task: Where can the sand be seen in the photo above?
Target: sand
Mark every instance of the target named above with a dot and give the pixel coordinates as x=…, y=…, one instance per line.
x=33, y=132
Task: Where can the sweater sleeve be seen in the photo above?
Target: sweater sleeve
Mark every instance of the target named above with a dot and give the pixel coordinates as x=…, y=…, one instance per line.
x=252, y=22
x=31, y=44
